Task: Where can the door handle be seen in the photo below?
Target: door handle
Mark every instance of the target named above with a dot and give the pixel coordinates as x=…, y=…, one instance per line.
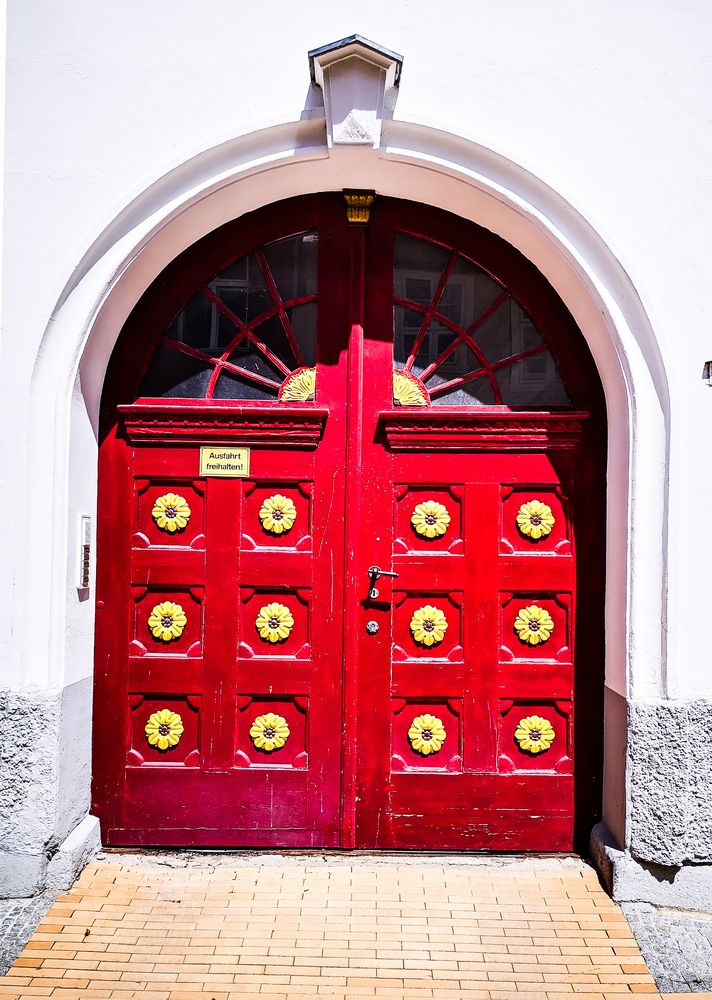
x=374, y=572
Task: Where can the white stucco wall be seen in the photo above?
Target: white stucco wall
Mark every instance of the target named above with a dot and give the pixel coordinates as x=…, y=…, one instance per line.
x=607, y=105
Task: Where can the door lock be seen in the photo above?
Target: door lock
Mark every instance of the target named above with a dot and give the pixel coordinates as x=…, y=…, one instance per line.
x=374, y=572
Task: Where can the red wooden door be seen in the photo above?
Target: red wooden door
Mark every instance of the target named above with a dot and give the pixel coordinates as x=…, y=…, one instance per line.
x=264, y=688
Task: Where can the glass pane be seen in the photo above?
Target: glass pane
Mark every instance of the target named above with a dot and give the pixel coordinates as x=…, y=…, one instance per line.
x=202, y=325
x=303, y=320
x=419, y=265
x=467, y=293
x=508, y=331
x=293, y=263
x=172, y=373
x=534, y=381
x=462, y=361
x=242, y=287
x=478, y=392
x=194, y=325
x=231, y=386
x=406, y=324
x=272, y=335
x=247, y=356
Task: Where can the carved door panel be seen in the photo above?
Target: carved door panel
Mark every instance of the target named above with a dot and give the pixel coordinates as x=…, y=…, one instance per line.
x=477, y=693
x=225, y=640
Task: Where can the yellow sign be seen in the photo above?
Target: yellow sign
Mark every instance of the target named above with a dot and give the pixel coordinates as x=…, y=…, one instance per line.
x=216, y=460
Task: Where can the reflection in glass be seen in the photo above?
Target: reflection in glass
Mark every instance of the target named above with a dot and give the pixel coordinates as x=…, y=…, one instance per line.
x=507, y=332
x=172, y=373
x=303, y=321
x=460, y=362
x=293, y=263
x=468, y=292
x=230, y=386
x=534, y=381
x=477, y=392
x=272, y=334
x=419, y=265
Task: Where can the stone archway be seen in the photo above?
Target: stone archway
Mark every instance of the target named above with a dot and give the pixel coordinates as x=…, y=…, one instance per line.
x=412, y=161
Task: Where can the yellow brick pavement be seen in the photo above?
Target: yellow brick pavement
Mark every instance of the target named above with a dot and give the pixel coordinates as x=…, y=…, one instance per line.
x=134, y=927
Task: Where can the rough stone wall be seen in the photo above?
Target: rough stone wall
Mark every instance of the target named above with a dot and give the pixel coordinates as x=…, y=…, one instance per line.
x=670, y=781
x=29, y=738
x=45, y=774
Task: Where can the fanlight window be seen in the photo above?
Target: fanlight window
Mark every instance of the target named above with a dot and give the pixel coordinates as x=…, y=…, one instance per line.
x=461, y=337
x=250, y=333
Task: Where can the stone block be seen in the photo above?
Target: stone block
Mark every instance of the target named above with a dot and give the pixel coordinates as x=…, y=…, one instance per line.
x=632, y=880
x=81, y=845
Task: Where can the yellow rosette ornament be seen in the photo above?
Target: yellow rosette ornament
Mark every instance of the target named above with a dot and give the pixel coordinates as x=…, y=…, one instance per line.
x=300, y=387
x=167, y=621
x=274, y=622
x=164, y=729
x=426, y=734
x=534, y=625
x=171, y=512
x=408, y=390
x=269, y=732
x=534, y=734
x=535, y=519
x=430, y=519
x=428, y=625
x=278, y=514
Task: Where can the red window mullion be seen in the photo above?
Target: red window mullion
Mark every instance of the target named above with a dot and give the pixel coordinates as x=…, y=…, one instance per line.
x=444, y=277
x=283, y=318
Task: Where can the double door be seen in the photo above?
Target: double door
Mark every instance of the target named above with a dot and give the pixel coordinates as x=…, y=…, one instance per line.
x=345, y=615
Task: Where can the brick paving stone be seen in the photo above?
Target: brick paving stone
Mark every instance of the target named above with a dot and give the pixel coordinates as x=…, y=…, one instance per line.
x=181, y=926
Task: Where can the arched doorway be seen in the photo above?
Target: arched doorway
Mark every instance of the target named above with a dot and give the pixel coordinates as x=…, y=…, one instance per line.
x=298, y=399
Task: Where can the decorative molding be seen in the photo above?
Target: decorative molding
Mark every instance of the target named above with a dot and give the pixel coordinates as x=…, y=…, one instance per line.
x=534, y=734
x=427, y=734
x=408, y=390
x=533, y=625
x=430, y=519
x=278, y=425
x=277, y=514
x=164, y=729
x=171, y=512
x=167, y=621
x=482, y=429
x=269, y=732
x=535, y=520
x=355, y=77
x=274, y=622
x=428, y=625
x=358, y=206
x=300, y=386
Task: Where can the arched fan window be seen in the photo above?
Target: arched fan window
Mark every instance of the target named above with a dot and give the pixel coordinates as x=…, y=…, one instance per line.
x=460, y=338
x=250, y=333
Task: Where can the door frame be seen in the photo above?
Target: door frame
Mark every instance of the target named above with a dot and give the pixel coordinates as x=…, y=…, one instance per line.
x=245, y=232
